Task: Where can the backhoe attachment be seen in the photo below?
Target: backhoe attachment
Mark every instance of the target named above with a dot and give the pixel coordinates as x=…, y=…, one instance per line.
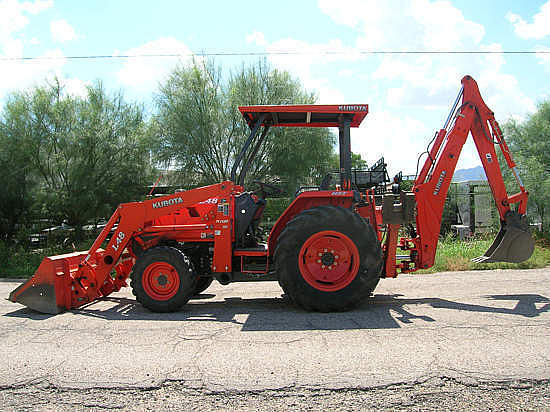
x=470, y=116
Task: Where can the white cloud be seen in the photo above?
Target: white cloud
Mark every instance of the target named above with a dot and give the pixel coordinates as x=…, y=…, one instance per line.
x=538, y=29
x=426, y=82
x=421, y=25
x=397, y=139
x=36, y=6
x=303, y=57
x=345, y=73
x=418, y=24
x=17, y=75
x=400, y=140
x=13, y=18
x=62, y=31
x=75, y=87
x=257, y=38
x=544, y=57
x=144, y=73
x=443, y=26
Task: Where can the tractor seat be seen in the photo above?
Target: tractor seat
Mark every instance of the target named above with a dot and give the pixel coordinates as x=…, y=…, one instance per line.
x=247, y=211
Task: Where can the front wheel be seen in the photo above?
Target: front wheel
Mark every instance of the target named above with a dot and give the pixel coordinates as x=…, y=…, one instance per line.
x=162, y=279
x=328, y=259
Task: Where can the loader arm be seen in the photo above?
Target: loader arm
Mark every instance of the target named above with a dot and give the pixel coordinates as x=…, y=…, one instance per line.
x=72, y=280
x=470, y=115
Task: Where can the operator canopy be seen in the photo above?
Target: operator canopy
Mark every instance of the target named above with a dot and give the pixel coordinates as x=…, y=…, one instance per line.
x=304, y=115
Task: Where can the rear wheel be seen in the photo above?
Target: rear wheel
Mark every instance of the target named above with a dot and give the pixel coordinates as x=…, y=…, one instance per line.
x=162, y=279
x=328, y=259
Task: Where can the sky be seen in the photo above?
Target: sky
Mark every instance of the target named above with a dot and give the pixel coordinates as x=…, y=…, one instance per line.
x=409, y=95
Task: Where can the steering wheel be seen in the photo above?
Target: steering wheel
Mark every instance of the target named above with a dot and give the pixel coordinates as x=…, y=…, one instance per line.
x=272, y=189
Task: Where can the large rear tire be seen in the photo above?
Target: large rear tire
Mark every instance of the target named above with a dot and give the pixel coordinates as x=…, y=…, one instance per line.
x=328, y=259
x=162, y=279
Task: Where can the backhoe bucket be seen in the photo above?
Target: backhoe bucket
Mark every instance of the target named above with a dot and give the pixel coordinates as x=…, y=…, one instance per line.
x=48, y=291
x=513, y=243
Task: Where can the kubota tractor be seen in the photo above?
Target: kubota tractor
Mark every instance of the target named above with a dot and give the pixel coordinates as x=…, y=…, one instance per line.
x=327, y=250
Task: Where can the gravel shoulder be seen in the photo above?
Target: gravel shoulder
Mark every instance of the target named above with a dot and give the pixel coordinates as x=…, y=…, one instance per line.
x=433, y=395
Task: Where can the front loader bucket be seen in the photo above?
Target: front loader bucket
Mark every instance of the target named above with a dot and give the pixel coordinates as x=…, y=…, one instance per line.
x=513, y=243
x=48, y=291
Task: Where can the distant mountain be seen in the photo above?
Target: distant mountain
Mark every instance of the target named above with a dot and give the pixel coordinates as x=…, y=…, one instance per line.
x=475, y=173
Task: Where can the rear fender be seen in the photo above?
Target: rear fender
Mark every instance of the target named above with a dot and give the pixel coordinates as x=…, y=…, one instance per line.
x=308, y=200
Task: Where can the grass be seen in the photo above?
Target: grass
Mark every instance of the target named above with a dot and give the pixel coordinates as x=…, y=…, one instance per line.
x=455, y=255
x=19, y=262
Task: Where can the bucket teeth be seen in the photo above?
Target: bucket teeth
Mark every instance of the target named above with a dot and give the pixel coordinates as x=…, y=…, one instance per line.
x=513, y=243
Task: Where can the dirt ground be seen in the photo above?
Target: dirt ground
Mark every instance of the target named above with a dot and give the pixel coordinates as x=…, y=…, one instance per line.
x=433, y=395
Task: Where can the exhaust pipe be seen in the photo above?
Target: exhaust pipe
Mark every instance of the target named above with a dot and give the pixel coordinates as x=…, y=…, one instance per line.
x=513, y=243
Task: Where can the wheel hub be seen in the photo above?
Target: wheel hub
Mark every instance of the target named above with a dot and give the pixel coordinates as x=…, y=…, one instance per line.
x=329, y=261
x=161, y=280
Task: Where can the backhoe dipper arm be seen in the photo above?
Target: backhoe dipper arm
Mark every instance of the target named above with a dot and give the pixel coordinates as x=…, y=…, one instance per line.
x=432, y=184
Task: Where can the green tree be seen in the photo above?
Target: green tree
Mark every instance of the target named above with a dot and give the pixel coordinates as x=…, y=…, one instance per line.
x=529, y=141
x=357, y=162
x=88, y=153
x=18, y=179
x=200, y=131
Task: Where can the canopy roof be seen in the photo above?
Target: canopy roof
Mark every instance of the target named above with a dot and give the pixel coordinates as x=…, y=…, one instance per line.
x=305, y=115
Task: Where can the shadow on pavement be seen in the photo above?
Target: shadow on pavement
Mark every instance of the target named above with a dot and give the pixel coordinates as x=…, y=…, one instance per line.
x=278, y=314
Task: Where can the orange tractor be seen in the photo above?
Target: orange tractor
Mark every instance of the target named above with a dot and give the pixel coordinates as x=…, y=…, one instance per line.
x=329, y=248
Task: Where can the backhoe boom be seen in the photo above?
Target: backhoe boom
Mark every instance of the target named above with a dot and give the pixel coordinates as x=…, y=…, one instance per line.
x=473, y=117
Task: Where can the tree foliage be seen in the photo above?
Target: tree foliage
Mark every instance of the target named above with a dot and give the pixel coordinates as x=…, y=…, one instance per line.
x=529, y=142
x=86, y=154
x=357, y=162
x=18, y=178
x=200, y=131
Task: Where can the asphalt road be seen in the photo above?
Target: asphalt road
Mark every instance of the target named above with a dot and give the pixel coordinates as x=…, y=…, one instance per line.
x=470, y=327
